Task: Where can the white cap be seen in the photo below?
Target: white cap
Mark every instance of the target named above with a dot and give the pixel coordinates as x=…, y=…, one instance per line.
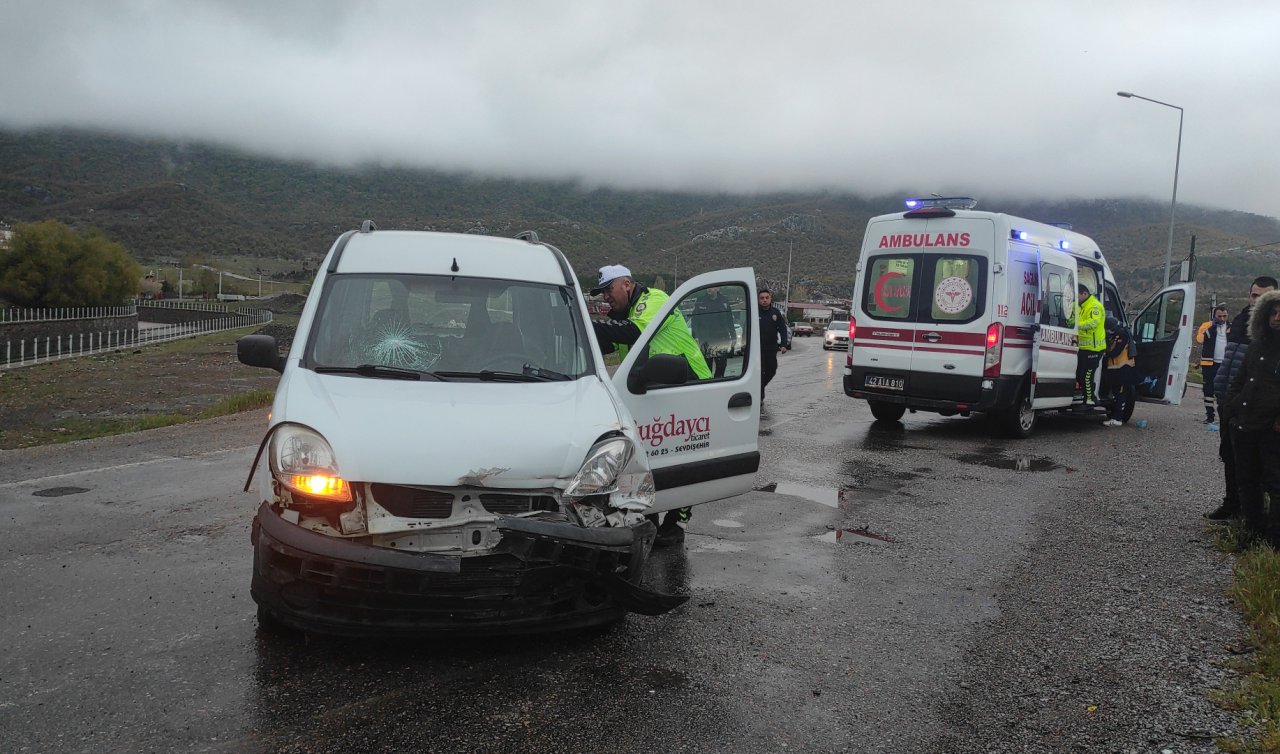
x=608, y=274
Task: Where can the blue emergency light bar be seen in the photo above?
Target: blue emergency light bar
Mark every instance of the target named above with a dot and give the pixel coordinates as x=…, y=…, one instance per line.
x=946, y=202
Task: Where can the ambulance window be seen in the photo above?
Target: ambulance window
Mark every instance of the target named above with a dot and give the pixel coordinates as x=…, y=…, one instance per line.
x=1058, y=296
x=888, y=287
x=957, y=288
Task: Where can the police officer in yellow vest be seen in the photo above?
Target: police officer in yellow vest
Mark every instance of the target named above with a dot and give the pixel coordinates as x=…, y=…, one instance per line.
x=632, y=308
x=1091, y=331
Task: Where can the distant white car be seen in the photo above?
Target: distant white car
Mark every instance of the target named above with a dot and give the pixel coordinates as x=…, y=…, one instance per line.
x=837, y=336
x=800, y=329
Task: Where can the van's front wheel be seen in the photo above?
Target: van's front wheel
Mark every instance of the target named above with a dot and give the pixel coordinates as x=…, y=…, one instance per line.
x=887, y=412
x=1019, y=422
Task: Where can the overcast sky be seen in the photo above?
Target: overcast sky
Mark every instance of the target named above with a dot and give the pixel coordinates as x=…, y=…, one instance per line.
x=981, y=98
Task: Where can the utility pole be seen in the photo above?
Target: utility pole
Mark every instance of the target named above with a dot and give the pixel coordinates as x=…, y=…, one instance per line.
x=786, y=299
x=179, y=283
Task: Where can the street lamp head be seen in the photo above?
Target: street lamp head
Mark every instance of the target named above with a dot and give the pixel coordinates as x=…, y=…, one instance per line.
x=1124, y=94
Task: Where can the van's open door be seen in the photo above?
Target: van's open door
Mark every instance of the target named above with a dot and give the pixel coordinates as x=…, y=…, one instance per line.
x=1162, y=332
x=702, y=436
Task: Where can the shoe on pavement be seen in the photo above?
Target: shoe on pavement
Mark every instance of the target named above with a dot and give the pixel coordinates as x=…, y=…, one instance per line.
x=1222, y=513
x=671, y=532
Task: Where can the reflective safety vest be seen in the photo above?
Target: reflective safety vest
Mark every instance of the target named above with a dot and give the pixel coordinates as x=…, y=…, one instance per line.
x=1091, y=325
x=673, y=335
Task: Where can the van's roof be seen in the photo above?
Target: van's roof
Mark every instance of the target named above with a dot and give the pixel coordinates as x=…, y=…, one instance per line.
x=431, y=253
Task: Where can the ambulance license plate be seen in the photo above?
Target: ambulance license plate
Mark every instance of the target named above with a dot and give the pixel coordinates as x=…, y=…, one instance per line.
x=884, y=382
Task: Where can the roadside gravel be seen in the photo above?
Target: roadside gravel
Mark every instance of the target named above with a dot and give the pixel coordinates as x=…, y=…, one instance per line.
x=1116, y=628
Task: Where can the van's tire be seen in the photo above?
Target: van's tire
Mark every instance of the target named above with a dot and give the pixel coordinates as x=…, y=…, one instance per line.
x=1019, y=422
x=886, y=412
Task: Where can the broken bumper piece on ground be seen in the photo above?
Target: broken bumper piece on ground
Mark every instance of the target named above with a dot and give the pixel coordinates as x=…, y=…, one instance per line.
x=543, y=576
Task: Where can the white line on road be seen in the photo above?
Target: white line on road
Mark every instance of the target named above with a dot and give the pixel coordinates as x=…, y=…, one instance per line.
x=135, y=464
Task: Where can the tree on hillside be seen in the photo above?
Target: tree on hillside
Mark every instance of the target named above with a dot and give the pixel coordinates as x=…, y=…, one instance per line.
x=48, y=264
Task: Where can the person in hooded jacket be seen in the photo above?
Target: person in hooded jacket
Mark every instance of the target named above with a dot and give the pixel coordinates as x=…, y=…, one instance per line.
x=1121, y=370
x=1232, y=360
x=1253, y=408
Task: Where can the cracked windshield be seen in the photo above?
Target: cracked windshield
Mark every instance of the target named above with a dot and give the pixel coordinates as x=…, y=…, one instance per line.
x=447, y=324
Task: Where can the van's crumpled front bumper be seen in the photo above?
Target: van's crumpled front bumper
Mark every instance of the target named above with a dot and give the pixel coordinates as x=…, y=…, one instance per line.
x=542, y=576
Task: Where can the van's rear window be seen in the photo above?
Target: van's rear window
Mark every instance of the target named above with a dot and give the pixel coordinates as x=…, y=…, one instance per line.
x=925, y=287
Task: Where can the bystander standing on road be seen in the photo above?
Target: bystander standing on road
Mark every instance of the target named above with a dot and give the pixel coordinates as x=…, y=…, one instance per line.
x=775, y=337
x=1212, y=336
x=1253, y=400
x=1233, y=357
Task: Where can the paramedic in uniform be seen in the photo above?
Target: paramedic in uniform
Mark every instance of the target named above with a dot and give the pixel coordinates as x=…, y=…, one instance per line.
x=632, y=308
x=1091, y=333
x=1213, y=334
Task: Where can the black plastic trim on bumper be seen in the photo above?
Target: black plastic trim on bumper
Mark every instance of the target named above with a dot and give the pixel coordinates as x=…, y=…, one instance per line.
x=706, y=471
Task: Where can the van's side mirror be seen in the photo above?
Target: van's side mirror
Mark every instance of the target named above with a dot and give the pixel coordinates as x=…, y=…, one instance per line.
x=260, y=351
x=660, y=369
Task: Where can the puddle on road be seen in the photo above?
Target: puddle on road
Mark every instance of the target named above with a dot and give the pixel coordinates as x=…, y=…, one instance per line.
x=728, y=523
x=861, y=536
x=59, y=491
x=1017, y=463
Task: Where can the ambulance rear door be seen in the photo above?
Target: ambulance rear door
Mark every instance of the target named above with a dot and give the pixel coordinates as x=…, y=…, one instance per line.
x=923, y=308
x=1163, y=332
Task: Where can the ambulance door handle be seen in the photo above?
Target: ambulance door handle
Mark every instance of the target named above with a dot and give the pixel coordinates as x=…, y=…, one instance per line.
x=740, y=400
x=932, y=337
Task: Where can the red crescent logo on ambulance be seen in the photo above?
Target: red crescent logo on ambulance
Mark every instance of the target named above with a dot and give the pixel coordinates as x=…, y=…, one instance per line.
x=878, y=291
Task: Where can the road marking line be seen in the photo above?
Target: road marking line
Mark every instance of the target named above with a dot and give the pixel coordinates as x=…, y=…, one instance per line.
x=135, y=464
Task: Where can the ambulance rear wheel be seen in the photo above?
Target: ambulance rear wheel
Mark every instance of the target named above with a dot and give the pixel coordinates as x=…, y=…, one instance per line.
x=1019, y=422
x=887, y=412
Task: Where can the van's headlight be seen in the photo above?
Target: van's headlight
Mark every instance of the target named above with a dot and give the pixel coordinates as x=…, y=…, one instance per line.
x=303, y=461
x=612, y=468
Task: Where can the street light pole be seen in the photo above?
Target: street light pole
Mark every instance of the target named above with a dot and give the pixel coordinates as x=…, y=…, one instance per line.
x=1177, y=160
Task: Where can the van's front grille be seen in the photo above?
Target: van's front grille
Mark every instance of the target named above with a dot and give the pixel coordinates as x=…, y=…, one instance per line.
x=412, y=502
x=415, y=502
x=511, y=504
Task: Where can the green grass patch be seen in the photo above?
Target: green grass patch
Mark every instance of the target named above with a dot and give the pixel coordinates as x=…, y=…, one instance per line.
x=1256, y=589
x=237, y=403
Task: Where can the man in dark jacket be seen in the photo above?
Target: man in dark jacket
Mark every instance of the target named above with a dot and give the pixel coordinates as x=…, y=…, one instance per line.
x=1253, y=409
x=775, y=337
x=1232, y=360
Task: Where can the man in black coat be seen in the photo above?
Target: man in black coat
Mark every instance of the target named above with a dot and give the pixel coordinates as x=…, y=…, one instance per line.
x=1232, y=360
x=775, y=337
x=1252, y=408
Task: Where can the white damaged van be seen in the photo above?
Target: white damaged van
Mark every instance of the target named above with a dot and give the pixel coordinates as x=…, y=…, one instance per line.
x=958, y=311
x=447, y=453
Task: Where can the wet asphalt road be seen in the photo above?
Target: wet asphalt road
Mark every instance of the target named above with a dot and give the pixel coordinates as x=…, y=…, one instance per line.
x=857, y=602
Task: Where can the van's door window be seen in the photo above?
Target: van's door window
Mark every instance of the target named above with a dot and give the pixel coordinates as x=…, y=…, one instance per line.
x=956, y=282
x=1112, y=303
x=888, y=289
x=717, y=318
x=1159, y=321
x=1058, y=296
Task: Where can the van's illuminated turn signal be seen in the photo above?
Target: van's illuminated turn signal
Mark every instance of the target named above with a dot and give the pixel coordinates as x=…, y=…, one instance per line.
x=995, y=350
x=319, y=485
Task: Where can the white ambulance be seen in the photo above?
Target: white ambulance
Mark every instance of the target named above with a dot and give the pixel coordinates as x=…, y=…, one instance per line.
x=958, y=311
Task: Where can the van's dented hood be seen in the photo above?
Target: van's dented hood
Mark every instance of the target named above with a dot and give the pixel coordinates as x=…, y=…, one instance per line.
x=490, y=434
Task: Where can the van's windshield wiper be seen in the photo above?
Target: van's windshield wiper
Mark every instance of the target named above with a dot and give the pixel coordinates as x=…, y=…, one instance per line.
x=381, y=371
x=528, y=374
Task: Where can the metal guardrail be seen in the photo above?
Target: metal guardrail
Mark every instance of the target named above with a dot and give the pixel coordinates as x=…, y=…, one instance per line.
x=54, y=314
x=30, y=351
